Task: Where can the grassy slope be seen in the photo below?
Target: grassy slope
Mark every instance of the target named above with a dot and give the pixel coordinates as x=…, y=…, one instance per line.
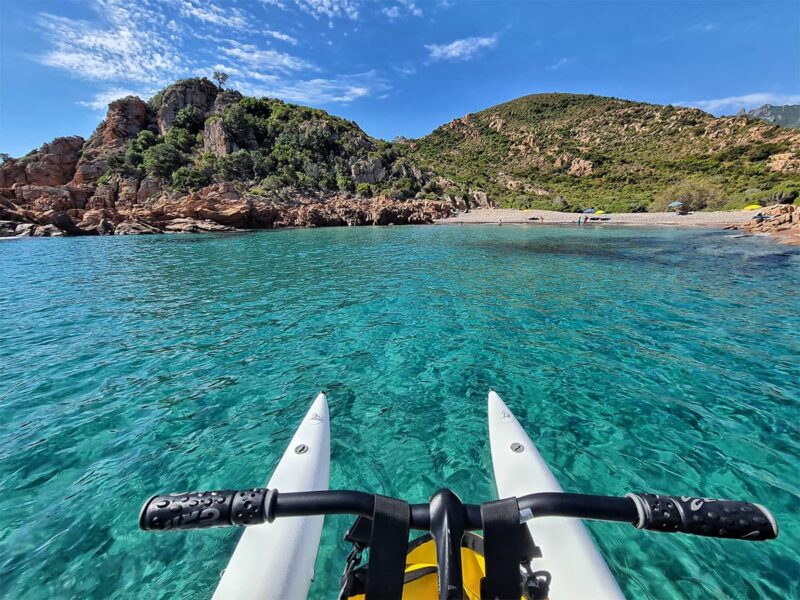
x=521, y=152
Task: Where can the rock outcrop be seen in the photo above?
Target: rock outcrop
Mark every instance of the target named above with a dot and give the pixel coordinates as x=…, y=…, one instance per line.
x=227, y=164
x=782, y=220
x=368, y=171
x=199, y=93
x=52, y=164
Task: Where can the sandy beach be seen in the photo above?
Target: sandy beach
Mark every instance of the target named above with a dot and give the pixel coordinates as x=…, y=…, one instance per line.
x=534, y=217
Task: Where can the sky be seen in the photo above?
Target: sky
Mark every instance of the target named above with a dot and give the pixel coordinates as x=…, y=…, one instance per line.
x=397, y=67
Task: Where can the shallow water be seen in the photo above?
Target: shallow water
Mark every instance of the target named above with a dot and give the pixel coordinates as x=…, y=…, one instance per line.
x=649, y=360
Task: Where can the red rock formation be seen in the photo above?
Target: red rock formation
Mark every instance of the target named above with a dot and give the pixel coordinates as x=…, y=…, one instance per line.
x=125, y=119
x=782, y=220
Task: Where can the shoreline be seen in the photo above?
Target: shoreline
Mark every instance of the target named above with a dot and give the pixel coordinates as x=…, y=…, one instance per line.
x=494, y=216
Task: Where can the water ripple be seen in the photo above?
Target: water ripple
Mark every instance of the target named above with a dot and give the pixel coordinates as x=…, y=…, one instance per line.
x=663, y=361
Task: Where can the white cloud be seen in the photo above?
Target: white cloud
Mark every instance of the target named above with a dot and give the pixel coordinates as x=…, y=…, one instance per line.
x=270, y=60
x=412, y=8
x=734, y=103
x=704, y=27
x=321, y=90
x=208, y=12
x=282, y=37
x=329, y=8
x=102, y=99
x=461, y=49
x=127, y=45
x=138, y=47
x=406, y=70
x=560, y=64
x=395, y=11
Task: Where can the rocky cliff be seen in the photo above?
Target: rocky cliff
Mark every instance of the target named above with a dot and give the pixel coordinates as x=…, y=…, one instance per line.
x=198, y=158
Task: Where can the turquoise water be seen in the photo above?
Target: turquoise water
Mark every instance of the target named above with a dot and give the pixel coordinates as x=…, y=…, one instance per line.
x=649, y=360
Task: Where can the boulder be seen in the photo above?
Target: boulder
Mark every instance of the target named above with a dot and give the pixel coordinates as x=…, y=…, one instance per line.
x=24, y=229
x=99, y=222
x=195, y=226
x=47, y=231
x=368, y=171
x=65, y=223
x=8, y=228
x=478, y=199
x=135, y=227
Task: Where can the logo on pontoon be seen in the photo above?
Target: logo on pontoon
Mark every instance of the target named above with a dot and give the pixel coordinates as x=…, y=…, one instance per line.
x=505, y=416
x=315, y=418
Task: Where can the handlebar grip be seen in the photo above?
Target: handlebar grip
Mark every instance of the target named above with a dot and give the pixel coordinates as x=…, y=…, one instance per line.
x=199, y=510
x=729, y=519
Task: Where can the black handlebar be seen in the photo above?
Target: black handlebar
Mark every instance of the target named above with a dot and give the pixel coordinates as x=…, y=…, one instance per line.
x=698, y=516
x=729, y=519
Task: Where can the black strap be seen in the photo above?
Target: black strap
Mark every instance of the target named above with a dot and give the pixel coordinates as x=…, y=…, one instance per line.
x=503, y=546
x=387, y=558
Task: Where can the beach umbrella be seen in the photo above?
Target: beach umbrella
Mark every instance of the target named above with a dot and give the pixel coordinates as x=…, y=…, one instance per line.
x=753, y=207
x=675, y=205
x=589, y=211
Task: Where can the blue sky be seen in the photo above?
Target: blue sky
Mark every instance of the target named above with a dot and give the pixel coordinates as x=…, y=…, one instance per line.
x=398, y=67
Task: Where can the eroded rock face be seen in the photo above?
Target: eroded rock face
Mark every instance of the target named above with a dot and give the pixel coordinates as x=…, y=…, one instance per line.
x=215, y=140
x=126, y=117
x=200, y=93
x=52, y=164
x=368, y=171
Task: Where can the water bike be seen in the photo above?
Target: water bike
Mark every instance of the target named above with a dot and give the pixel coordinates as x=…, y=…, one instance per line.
x=533, y=545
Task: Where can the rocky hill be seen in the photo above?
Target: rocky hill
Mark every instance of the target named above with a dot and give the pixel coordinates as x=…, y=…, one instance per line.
x=783, y=116
x=199, y=158
x=566, y=152
x=196, y=157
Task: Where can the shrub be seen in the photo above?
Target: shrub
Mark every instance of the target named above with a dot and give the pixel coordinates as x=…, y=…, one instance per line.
x=237, y=166
x=364, y=189
x=189, y=118
x=162, y=160
x=345, y=183
x=181, y=139
x=192, y=178
x=695, y=195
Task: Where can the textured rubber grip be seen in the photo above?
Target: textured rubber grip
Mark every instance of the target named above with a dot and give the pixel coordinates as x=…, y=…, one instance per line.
x=705, y=516
x=199, y=510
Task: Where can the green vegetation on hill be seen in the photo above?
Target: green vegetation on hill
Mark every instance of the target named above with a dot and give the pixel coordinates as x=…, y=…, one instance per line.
x=267, y=145
x=566, y=152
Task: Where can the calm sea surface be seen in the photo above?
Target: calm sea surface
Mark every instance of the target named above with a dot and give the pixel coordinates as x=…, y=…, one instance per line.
x=638, y=360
